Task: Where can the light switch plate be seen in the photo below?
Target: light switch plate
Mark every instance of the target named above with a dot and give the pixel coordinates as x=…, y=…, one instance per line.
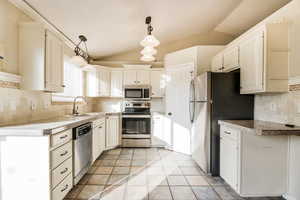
x=273, y=107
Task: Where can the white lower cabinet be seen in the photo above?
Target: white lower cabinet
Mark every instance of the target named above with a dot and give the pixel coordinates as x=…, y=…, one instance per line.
x=158, y=138
x=112, y=131
x=254, y=166
x=98, y=138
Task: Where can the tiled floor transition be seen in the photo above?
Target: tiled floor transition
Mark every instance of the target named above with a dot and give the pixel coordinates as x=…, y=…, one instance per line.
x=150, y=174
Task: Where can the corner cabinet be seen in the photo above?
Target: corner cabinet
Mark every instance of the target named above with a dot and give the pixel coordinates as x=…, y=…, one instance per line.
x=217, y=63
x=253, y=165
x=113, y=131
x=41, y=56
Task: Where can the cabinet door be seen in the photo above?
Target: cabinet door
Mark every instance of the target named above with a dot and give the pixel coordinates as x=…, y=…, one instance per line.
x=54, y=63
x=116, y=88
x=157, y=83
x=112, y=131
x=96, y=144
x=228, y=161
x=158, y=136
x=130, y=77
x=92, y=84
x=143, y=77
x=102, y=138
x=231, y=59
x=104, y=82
x=217, y=63
x=252, y=64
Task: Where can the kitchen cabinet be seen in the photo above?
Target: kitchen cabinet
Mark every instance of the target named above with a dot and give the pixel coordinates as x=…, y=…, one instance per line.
x=116, y=84
x=41, y=55
x=253, y=165
x=98, y=83
x=98, y=137
x=159, y=138
x=104, y=82
x=43, y=166
x=139, y=77
x=252, y=63
x=112, y=131
x=217, y=63
x=92, y=84
x=157, y=83
x=231, y=59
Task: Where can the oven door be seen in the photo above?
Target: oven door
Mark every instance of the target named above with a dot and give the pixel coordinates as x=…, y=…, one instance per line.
x=133, y=93
x=136, y=126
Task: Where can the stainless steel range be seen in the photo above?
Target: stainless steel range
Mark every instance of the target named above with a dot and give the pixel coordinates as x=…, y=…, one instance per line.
x=136, y=124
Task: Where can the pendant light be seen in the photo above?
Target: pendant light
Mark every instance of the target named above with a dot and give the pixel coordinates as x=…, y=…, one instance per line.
x=149, y=43
x=81, y=57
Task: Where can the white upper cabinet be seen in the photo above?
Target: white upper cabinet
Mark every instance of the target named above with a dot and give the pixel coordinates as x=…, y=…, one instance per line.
x=231, y=58
x=264, y=59
x=217, y=63
x=130, y=77
x=157, y=83
x=143, y=77
x=136, y=77
x=92, y=84
x=116, y=84
x=252, y=63
x=104, y=83
x=41, y=57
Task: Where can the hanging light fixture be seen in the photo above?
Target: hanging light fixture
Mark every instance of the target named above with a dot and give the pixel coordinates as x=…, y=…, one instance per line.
x=81, y=57
x=149, y=43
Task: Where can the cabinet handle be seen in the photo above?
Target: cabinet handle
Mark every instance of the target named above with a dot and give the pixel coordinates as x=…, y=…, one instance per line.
x=227, y=132
x=63, y=86
x=66, y=187
x=100, y=127
x=64, y=171
x=63, y=137
x=65, y=153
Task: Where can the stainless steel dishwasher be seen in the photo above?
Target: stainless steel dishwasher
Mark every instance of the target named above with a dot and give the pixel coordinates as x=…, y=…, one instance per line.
x=82, y=150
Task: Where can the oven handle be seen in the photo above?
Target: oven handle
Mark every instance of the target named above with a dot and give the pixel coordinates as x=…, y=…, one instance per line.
x=136, y=116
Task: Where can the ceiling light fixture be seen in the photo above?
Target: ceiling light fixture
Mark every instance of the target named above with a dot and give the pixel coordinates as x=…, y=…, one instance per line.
x=81, y=57
x=149, y=43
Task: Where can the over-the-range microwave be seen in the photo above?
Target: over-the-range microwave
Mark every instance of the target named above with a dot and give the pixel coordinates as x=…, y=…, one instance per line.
x=137, y=92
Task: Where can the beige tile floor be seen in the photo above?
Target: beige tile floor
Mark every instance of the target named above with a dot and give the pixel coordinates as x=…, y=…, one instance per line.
x=150, y=174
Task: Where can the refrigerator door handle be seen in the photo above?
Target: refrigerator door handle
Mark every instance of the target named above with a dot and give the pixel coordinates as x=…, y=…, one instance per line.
x=192, y=101
x=198, y=101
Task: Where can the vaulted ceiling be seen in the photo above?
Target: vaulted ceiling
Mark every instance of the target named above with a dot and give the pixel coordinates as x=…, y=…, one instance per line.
x=115, y=26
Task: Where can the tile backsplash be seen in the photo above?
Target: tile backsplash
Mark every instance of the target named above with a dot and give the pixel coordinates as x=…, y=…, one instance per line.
x=19, y=106
x=281, y=108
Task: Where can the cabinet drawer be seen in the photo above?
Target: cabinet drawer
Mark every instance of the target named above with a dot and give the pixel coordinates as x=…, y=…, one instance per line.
x=61, y=138
x=61, y=154
x=62, y=189
x=229, y=133
x=98, y=122
x=61, y=172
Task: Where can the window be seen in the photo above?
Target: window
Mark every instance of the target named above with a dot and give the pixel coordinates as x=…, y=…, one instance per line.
x=73, y=81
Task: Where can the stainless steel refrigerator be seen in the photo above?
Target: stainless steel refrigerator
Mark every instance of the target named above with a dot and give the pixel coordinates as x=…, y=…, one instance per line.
x=213, y=97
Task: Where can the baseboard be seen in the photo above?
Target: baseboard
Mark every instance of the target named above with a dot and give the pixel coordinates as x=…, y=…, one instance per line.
x=288, y=197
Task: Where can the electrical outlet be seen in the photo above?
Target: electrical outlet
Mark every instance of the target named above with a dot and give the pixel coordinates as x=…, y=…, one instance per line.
x=1, y=107
x=47, y=104
x=33, y=105
x=273, y=107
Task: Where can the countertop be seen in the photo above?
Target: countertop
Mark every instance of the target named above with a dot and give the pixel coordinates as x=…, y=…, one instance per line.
x=262, y=128
x=50, y=126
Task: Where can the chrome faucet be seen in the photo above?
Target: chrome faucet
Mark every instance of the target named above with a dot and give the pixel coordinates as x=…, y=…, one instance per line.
x=75, y=108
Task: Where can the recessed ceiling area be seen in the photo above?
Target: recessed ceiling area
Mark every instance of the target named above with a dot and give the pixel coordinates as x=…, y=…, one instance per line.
x=117, y=26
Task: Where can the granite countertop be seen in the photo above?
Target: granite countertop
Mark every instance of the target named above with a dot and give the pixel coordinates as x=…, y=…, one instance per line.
x=262, y=128
x=49, y=126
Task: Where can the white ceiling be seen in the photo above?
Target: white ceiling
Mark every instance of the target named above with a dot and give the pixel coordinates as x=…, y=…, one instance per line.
x=114, y=26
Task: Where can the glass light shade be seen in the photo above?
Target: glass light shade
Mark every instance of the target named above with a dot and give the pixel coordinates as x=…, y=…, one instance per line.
x=150, y=41
x=78, y=60
x=147, y=58
x=149, y=51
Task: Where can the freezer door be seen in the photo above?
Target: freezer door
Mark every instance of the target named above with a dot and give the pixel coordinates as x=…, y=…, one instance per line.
x=201, y=126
